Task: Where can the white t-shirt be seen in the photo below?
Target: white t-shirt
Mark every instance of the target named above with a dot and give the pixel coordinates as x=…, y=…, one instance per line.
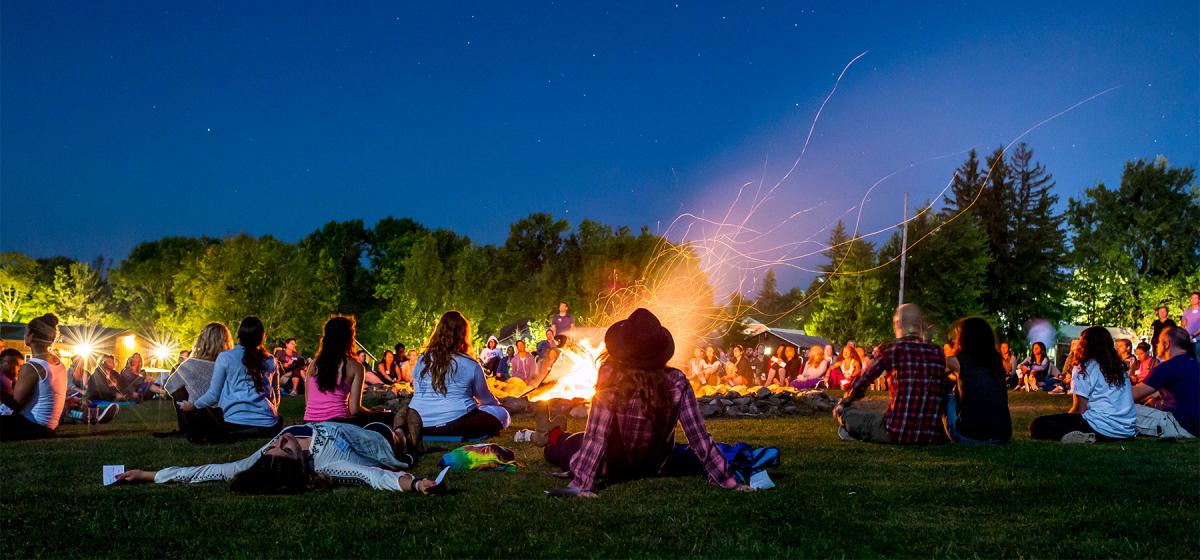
x=1109, y=409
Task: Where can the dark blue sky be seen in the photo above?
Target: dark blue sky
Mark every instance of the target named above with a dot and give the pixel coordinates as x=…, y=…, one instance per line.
x=128, y=121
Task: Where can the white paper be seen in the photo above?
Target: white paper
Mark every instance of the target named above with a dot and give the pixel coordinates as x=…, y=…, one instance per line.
x=761, y=481
x=111, y=472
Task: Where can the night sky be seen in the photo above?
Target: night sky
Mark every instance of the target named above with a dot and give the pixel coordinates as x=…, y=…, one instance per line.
x=128, y=121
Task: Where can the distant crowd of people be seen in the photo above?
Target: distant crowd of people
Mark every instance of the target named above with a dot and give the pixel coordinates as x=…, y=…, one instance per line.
x=785, y=365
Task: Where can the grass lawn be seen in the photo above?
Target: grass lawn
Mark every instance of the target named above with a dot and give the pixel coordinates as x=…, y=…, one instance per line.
x=833, y=499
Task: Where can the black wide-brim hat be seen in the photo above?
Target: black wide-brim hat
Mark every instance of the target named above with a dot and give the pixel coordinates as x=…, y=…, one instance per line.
x=640, y=341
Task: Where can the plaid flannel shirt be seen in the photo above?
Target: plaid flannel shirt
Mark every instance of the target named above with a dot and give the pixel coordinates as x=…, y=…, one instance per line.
x=624, y=439
x=919, y=389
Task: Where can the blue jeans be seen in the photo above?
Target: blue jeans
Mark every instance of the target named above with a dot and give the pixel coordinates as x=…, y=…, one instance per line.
x=952, y=425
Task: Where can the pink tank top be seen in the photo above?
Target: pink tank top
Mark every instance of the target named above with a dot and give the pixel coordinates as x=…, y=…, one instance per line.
x=324, y=406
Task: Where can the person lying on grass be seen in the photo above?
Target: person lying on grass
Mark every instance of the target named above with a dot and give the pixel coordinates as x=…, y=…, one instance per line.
x=307, y=457
x=631, y=428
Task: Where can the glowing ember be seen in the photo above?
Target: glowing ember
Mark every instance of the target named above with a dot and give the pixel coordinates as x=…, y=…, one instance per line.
x=574, y=374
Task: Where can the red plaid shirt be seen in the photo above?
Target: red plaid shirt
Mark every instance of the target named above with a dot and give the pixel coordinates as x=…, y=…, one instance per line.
x=622, y=440
x=919, y=389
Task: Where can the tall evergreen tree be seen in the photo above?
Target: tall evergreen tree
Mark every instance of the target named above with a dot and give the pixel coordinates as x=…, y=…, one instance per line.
x=1015, y=208
x=849, y=306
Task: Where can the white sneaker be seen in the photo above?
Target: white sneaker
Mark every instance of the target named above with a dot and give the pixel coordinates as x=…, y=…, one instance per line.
x=1079, y=437
x=523, y=436
x=844, y=434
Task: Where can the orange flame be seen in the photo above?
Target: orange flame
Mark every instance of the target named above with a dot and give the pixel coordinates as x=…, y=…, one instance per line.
x=574, y=374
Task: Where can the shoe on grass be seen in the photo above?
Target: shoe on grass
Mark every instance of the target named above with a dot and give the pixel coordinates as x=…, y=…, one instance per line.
x=1079, y=437
x=108, y=413
x=522, y=436
x=844, y=434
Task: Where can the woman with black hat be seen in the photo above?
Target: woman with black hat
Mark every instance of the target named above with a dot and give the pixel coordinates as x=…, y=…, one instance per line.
x=631, y=428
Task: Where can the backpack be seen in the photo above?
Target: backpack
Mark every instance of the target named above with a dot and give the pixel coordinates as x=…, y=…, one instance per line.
x=1153, y=422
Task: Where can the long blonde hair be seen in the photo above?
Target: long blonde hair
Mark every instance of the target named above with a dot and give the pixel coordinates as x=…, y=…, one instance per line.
x=214, y=338
x=816, y=355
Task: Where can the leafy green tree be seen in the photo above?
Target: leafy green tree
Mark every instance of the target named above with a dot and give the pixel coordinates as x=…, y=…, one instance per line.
x=263, y=277
x=144, y=283
x=76, y=293
x=946, y=269
x=340, y=248
x=418, y=300
x=18, y=278
x=1137, y=246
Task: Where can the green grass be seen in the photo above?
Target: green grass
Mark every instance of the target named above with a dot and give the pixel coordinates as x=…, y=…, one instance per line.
x=833, y=499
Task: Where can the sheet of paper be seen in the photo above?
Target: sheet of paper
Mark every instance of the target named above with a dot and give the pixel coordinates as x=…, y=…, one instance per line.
x=761, y=481
x=111, y=472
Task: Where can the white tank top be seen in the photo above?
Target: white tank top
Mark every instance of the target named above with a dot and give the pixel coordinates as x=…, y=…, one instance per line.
x=49, y=394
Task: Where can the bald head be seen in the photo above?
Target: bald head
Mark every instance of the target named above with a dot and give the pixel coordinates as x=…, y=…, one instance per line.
x=1174, y=341
x=908, y=321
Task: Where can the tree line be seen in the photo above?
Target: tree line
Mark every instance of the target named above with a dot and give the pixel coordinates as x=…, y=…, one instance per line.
x=996, y=246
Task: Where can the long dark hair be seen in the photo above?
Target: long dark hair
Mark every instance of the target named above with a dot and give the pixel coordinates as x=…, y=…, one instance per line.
x=622, y=384
x=450, y=337
x=337, y=344
x=1095, y=343
x=272, y=474
x=976, y=342
x=1037, y=345
x=251, y=335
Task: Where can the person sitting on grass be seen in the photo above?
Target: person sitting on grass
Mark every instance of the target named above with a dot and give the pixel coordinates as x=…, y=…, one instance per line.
x=406, y=369
x=630, y=430
x=978, y=410
x=523, y=366
x=333, y=383
x=102, y=384
x=1060, y=383
x=40, y=390
x=737, y=369
x=133, y=380
x=193, y=376
x=815, y=368
x=1103, y=397
x=1034, y=369
x=11, y=361
x=491, y=355
x=1176, y=380
x=850, y=366
x=919, y=389
x=1125, y=352
x=243, y=399
x=450, y=394
x=1146, y=361
x=307, y=457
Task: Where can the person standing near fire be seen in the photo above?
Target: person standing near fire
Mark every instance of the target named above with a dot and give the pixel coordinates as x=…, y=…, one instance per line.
x=563, y=322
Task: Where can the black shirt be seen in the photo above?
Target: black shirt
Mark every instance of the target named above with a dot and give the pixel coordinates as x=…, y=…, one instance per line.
x=982, y=402
x=1158, y=326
